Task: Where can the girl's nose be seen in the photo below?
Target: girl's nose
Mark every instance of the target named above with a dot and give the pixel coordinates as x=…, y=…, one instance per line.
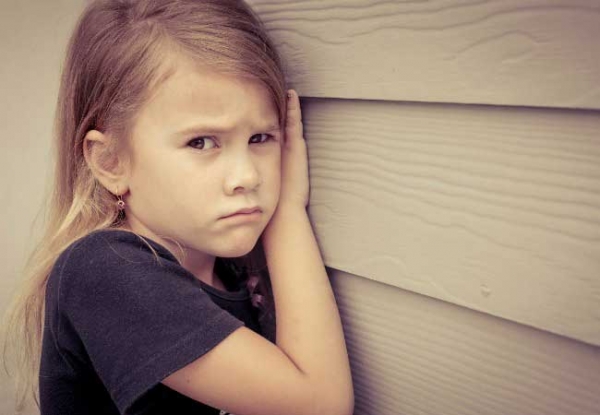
x=242, y=175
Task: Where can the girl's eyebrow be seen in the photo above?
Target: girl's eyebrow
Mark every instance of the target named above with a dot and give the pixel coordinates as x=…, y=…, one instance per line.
x=215, y=128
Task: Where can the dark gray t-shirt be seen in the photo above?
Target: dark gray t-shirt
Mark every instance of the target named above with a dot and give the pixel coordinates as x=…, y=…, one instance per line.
x=119, y=319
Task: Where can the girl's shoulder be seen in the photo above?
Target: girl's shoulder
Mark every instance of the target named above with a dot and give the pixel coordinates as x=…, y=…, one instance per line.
x=109, y=245
x=109, y=256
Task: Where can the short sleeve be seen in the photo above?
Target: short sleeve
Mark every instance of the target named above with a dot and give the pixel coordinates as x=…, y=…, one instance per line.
x=139, y=315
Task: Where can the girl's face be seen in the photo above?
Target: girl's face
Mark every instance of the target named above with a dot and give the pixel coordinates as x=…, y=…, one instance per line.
x=205, y=146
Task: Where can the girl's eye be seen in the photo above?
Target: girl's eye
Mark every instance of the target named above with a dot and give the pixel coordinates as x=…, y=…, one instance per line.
x=260, y=138
x=202, y=143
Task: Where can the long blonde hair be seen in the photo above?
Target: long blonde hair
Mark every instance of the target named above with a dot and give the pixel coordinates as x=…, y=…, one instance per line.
x=115, y=59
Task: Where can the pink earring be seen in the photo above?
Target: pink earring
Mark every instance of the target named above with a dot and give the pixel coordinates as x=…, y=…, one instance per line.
x=120, y=202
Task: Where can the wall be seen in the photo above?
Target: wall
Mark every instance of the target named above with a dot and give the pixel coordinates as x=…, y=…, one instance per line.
x=33, y=36
x=455, y=173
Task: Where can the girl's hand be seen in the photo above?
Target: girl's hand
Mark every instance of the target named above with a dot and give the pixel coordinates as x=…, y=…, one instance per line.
x=294, y=160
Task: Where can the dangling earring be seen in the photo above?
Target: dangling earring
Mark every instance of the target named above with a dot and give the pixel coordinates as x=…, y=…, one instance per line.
x=120, y=202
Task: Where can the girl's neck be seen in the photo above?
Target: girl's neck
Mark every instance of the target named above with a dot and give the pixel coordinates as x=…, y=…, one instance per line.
x=201, y=265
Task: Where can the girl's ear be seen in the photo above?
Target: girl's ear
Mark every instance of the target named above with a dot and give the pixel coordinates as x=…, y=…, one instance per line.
x=106, y=163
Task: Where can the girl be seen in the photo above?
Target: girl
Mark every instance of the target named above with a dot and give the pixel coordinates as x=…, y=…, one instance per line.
x=178, y=152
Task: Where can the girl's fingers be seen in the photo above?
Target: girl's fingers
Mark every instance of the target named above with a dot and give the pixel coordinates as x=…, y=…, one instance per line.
x=293, y=123
x=294, y=172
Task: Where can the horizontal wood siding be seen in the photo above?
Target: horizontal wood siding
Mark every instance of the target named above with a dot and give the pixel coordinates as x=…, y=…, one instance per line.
x=509, y=52
x=414, y=355
x=494, y=209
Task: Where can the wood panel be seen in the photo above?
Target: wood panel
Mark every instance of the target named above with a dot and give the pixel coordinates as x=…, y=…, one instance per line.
x=494, y=209
x=509, y=52
x=414, y=355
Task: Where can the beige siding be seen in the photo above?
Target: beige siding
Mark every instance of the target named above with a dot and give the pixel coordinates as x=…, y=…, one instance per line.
x=495, y=209
x=414, y=355
x=509, y=52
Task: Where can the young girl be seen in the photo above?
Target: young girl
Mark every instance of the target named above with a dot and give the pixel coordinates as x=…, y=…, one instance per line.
x=180, y=159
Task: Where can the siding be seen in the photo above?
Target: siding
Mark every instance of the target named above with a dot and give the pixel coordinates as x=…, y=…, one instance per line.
x=508, y=52
x=492, y=208
x=455, y=192
x=414, y=355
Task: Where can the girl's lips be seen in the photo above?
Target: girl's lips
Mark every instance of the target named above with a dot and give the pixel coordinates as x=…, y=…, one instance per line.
x=240, y=218
x=243, y=212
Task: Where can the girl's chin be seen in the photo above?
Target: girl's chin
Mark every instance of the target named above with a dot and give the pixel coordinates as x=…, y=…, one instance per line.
x=234, y=254
x=238, y=249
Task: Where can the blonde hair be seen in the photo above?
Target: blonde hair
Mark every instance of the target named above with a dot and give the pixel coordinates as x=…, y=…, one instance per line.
x=115, y=59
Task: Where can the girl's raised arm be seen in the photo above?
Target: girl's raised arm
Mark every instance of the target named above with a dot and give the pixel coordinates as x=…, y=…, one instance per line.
x=307, y=371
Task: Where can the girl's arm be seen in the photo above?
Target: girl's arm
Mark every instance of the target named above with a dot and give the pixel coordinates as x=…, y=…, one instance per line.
x=309, y=330
x=307, y=372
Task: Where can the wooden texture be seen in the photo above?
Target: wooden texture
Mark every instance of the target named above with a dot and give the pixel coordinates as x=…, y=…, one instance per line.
x=494, y=209
x=414, y=355
x=510, y=52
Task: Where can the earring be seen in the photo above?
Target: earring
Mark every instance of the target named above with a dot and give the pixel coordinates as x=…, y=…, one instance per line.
x=120, y=202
